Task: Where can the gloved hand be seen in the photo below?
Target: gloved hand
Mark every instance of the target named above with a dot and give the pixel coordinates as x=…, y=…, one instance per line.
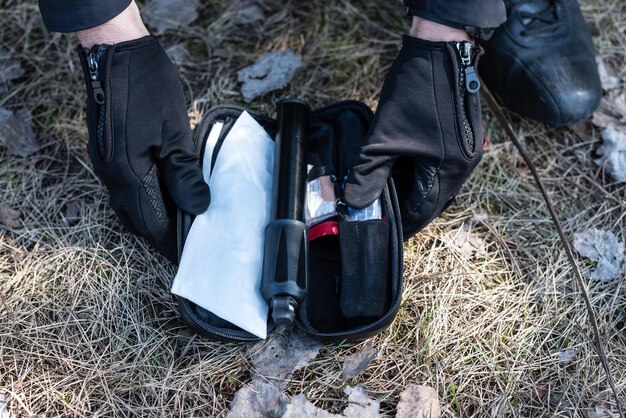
x=140, y=141
x=427, y=127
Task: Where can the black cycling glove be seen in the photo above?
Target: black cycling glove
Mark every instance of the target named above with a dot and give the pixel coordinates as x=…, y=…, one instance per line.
x=427, y=127
x=140, y=141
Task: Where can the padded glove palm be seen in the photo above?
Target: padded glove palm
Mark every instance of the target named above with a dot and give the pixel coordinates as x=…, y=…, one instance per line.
x=427, y=127
x=140, y=142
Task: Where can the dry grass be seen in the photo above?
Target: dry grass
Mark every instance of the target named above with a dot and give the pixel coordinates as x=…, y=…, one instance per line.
x=88, y=328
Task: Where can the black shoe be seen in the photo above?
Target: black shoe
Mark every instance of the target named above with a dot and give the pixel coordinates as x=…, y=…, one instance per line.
x=541, y=62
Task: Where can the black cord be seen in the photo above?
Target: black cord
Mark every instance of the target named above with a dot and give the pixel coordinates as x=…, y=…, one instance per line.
x=506, y=126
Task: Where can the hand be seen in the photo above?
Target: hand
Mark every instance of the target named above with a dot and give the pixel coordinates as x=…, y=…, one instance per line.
x=427, y=128
x=140, y=141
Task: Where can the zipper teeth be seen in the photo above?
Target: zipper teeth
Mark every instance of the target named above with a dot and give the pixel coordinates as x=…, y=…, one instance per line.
x=100, y=129
x=101, y=107
x=213, y=330
x=469, y=135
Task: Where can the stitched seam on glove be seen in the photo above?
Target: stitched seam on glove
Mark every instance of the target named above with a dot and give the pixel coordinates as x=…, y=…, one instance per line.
x=436, y=173
x=151, y=187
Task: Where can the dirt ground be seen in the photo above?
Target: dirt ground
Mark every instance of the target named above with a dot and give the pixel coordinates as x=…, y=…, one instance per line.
x=88, y=327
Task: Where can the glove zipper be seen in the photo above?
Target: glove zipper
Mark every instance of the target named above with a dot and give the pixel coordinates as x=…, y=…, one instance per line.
x=468, y=83
x=94, y=57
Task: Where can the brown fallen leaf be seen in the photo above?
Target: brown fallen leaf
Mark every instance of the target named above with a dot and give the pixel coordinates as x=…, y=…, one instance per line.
x=249, y=14
x=300, y=407
x=417, y=401
x=177, y=53
x=602, y=120
x=612, y=110
x=222, y=52
x=355, y=364
x=608, y=76
x=258, y=399
x=4, y=409
x=359, y=406
x=166, y=14
x=466, y=243
x=271, y=71
x=275, y=360
x=10, y=69
x=9, y=217
x=602, y=411
x=16, y=132
x=72, y=211
x=567, y=356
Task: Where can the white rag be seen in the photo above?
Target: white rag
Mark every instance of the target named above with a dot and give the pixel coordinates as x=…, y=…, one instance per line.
x=220, y=268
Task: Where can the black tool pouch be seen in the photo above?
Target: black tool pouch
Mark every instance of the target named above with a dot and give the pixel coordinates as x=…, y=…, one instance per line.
x=355, y=276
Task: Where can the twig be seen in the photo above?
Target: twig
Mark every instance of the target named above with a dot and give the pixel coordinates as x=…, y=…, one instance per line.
x=506, y=126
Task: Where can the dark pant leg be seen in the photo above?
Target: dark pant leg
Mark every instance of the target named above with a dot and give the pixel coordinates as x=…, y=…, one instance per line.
x=75, y=15
x=471, y=15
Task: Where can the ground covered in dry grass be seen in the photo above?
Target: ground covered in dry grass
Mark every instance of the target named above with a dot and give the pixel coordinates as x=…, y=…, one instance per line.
x=88, y=327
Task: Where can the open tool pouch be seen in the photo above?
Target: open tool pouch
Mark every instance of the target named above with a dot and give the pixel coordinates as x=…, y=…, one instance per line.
x=354, y=258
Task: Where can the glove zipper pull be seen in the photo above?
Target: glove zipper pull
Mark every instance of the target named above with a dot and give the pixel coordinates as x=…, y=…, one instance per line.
x=93, y=62
x=468, y=83
x=472, y=82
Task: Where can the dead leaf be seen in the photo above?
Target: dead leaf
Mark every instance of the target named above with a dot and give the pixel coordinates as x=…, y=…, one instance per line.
x=418, y=401
x=275, y=360
x=300, y=407
x=4, y=409
x=166, y=14
x=612, y=152
x=608, y=76
x=222, y=52
x=177, y=53
x=615, y=103
x=355, y=364
x=567, y=356
x=360, y=405
x=581, y=128
x=16, y=132
x=258, y=399
x=272, y=71
x=605, y=249
x=602, y=120
x=247, y=13
x=72, y=212
x=465, y=242
x=9, y=217
x=612, y=110
x=601, y=411
x=9, y=68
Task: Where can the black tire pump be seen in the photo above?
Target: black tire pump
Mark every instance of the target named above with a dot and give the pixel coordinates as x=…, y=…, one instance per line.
x=285, y=260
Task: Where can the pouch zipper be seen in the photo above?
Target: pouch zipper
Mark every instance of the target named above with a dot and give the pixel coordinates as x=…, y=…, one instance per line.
x=94, y=57
x=468, y=83
x=215, y=331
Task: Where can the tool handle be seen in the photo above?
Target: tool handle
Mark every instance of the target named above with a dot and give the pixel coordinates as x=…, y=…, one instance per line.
x=290, y=167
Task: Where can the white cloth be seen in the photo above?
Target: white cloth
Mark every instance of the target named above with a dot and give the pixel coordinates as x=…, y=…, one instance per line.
x=220, y=268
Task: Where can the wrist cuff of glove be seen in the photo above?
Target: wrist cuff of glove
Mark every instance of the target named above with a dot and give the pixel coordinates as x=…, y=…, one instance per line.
x=479, y=17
